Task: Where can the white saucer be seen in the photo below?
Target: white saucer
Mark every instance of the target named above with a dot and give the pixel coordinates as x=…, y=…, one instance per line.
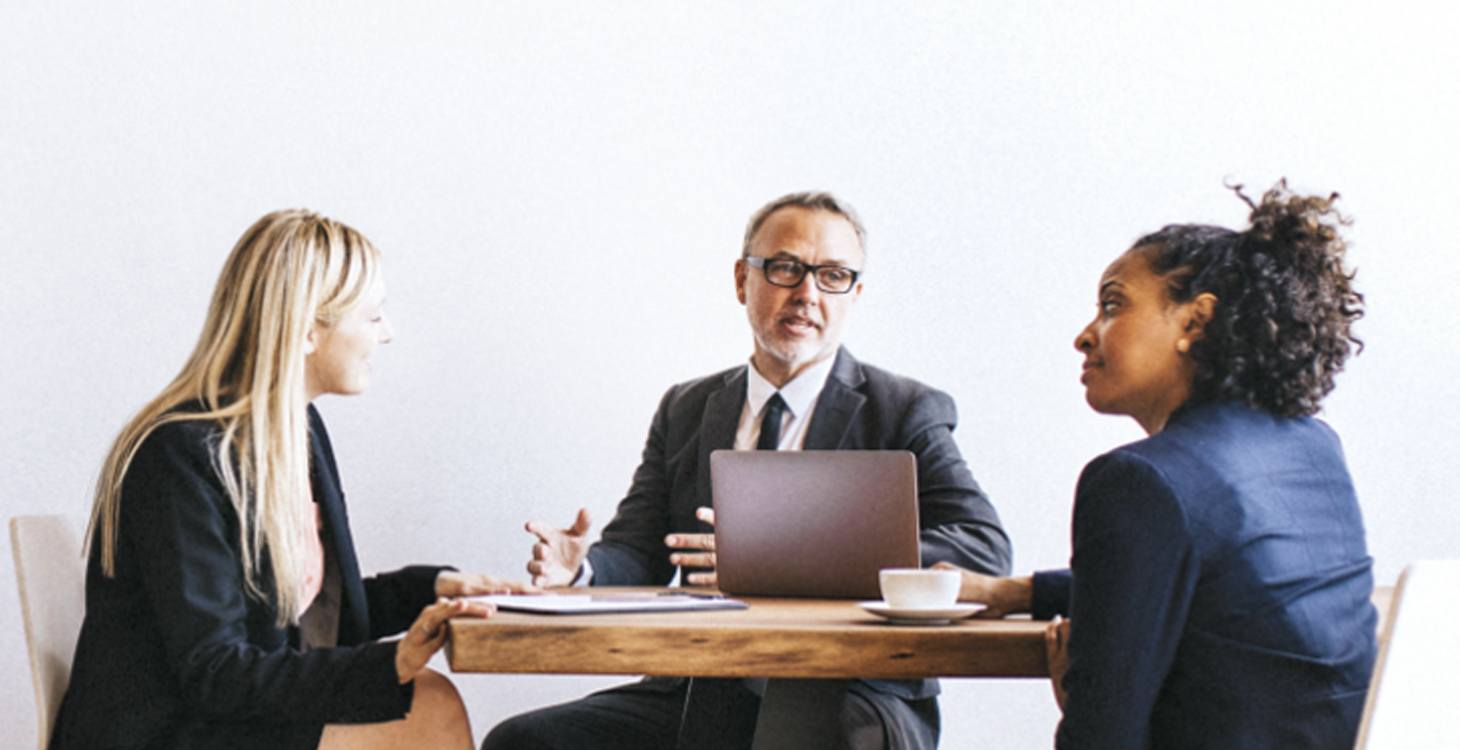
x=921, y=616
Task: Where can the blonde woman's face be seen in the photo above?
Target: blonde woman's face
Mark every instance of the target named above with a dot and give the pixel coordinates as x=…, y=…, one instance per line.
x=340, y=359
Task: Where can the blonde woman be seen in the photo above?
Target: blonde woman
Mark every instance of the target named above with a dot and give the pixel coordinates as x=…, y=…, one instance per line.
x=224, y=602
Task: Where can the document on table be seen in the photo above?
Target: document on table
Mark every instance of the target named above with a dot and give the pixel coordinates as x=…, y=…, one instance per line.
x=586, y=604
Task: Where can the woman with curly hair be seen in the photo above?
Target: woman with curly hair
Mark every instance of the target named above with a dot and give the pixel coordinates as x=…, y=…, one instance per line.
x=1218, y=590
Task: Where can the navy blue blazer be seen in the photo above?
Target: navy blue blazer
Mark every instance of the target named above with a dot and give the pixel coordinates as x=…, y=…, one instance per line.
x=172, y=653
x=860, y=407
x=1218, y=590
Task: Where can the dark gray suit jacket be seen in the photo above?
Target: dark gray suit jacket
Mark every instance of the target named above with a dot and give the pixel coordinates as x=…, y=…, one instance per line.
x=861, y=407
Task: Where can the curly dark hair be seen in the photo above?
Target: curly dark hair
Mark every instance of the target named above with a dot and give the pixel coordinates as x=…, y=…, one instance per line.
x=1281, y=328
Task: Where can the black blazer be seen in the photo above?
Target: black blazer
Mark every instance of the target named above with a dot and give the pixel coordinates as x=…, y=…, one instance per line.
x=861, y=407
x=172, y=651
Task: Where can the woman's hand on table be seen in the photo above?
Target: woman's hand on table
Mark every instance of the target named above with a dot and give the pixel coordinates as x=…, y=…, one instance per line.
x=1002, y=596
x=428, y=633
x=451, y=583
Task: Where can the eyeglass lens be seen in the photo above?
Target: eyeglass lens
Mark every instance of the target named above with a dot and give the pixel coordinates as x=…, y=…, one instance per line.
x=790, y=273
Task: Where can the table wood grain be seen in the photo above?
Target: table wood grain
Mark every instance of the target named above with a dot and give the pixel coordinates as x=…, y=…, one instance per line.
x=799, y=638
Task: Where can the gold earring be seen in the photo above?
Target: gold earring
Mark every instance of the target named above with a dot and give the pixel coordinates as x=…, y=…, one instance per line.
x=1183, y=346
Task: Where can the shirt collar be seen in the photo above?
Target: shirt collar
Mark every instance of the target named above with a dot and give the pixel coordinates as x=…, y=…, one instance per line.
x=799, y=394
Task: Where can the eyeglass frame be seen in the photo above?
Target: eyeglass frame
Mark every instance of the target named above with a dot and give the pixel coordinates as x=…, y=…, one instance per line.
x=760, y=261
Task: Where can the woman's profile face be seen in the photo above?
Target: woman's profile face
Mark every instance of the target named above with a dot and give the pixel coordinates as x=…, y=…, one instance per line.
x=340, y=362
x=1132, y=362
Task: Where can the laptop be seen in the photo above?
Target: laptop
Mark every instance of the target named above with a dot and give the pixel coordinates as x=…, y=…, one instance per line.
x=812, y=523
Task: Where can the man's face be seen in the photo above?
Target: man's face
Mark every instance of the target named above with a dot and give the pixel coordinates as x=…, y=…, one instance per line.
x=795, y=327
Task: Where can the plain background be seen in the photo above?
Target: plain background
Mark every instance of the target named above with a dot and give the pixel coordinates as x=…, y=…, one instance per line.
x=560, y=188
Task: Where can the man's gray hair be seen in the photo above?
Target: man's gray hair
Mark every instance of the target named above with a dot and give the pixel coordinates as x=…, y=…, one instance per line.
x=816, y=200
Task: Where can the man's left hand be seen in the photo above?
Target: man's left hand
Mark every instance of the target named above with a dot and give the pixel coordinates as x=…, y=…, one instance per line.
x=450, y=583
x=701, y=554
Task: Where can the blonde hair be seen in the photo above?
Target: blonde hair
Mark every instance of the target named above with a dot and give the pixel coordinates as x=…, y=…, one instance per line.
x=290, y=270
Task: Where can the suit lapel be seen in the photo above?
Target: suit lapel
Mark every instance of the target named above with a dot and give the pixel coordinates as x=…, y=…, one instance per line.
x=325, y=484
x=718, y=424
x=837, y=405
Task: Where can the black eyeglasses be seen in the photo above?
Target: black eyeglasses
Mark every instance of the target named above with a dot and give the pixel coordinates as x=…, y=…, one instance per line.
x=831, y=279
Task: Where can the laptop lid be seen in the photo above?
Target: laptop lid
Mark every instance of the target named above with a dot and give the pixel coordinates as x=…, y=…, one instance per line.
x=812, y=523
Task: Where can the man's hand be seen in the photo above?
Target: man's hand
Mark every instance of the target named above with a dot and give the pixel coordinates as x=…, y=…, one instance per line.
x=703, y=554
x=1057, y=655
x=428, y=633
x=451, y=584
x=559, y=553
x=1004, y=596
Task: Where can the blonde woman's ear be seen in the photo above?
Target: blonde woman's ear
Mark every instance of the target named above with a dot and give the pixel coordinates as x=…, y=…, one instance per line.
x=309, y=343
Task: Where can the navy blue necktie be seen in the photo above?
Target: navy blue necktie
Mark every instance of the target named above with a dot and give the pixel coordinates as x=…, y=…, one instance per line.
x=770, y=424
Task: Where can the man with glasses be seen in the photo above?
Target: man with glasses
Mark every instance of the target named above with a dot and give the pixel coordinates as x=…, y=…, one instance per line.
x=799, y=275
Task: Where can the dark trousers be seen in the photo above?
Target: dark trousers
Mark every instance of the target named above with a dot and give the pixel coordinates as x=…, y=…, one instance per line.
x=719, y=714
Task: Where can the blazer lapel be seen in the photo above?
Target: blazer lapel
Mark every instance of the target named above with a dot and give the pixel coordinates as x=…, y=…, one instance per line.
x=353, y=609
x=837, y=405
x=718, y=424
x=325, y=484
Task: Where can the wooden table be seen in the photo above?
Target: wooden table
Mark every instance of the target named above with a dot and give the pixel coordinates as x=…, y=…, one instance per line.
x=809, y=648
x=795, y=638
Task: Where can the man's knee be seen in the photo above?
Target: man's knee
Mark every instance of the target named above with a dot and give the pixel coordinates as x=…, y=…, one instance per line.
x=629, y=717
x=523, y=732
x=872, y=720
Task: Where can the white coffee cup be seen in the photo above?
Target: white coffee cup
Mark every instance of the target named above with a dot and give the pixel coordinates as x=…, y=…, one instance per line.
x=919, y=588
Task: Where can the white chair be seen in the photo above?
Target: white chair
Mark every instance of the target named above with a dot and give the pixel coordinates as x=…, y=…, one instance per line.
x=1413, y=694
x=52, y=579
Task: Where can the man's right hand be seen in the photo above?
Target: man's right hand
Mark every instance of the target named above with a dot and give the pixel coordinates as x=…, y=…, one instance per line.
x=559, y=553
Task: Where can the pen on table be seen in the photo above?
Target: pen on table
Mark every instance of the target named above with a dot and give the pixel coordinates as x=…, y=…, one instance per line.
x=691, y=594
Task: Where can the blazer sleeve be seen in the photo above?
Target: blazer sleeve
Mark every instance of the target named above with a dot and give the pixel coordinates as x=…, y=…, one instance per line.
x=395, y=599
x=182, y=531
x=631, y=551
x=959, y=524
x=1134, y=572
x=1051, y=594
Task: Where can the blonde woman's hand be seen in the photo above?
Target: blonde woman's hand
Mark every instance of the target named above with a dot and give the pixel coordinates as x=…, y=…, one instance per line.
x=427, y=634
x=452, y=583
x=1003, y=596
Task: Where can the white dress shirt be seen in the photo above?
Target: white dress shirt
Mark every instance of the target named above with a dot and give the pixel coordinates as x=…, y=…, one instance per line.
x=800, y=396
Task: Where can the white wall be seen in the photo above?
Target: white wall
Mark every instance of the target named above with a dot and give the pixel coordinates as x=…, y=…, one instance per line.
x=560, y=191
